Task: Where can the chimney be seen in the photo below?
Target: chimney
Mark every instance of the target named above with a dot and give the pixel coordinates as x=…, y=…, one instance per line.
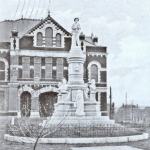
x=82, y=36
x=14, y=40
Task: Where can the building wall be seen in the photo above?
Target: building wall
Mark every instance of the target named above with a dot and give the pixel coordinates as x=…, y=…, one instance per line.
x=97, y=55
x=3, y=98
x=132, y=114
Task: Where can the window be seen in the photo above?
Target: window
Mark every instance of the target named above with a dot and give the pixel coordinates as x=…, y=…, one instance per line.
x=48, y=68
x=58, y=40
x=94, y=68
x=39, y=39
x=25, y=67
x=94, y=72
x=37, y=67
x=60, y=68
x=49, y=37
x=2, y=70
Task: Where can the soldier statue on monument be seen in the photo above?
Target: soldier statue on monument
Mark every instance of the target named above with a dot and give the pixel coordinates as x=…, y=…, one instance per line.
x=75, y=32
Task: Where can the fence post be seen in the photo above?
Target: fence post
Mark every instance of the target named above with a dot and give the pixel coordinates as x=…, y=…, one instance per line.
x=145, y=127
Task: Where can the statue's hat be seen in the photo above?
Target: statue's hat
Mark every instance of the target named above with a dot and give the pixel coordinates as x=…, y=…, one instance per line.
x=76, y=18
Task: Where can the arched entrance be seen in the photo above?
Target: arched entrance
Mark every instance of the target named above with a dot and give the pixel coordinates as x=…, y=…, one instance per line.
x=25, y=104
x=47, y=101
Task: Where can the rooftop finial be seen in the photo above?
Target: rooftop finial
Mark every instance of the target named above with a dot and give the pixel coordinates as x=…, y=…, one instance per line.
x=92, y=35
x=48, y=13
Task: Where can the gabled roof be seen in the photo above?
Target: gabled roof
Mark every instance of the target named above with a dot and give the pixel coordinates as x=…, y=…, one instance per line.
x=22, y=25
x=49, y=19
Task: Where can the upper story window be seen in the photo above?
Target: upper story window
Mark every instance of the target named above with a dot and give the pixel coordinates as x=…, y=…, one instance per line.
x=94, y=72
x=25, y=67
x=49, y=37
x=60, y=68
x=39, y=39
x=58, y=40
x=2, y=70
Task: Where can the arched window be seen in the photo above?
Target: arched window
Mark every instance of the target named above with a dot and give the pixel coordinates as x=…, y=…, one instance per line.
x=49, y=37
x=94, y=72
x=58, y=40
x=2, y=70
x=39, y=39
x=94, y=68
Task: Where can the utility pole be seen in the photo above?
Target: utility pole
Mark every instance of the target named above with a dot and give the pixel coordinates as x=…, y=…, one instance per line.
x=110, y=104
x=132, y=110
x=126, y=108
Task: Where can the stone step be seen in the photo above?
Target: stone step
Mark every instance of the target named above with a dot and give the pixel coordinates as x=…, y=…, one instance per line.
x=73, y=110
x=73, y=114
x=70, y=102
x=85, y=122
x=74, y=107
x=106, y=118
x=80, y=120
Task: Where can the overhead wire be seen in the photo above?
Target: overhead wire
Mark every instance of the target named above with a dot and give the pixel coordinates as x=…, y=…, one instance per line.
x=43, y=8
x=27, y=8
x=17, y=9
x=32, y=9
x=37, y=9
x=27, y=13
x=23, y=8
x=21, y=16
x=15, y=13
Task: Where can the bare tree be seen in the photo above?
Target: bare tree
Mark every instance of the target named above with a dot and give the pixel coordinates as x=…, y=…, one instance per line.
x=22, y=126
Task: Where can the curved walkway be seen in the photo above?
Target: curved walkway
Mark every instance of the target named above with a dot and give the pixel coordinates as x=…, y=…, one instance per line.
x=77, y=140
x=106, y=148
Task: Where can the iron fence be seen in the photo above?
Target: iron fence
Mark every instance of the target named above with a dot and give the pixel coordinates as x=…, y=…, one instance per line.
x=76, y=131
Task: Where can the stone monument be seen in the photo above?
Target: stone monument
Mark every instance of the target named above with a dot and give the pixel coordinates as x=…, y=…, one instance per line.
x=74, y=106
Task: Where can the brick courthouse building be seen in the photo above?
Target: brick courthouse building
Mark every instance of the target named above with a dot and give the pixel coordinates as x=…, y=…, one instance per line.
x=33, y=61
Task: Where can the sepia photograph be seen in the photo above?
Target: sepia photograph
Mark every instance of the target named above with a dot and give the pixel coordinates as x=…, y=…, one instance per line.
x=74, y=75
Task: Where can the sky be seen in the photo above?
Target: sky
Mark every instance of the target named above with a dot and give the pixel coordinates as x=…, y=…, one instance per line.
x=123, y=26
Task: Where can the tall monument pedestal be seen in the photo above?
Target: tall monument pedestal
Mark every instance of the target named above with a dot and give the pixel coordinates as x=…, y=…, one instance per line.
x=74, y=106
x=65, y=114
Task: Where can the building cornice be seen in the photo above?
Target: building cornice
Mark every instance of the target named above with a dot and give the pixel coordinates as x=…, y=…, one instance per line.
x=97, y=54
x=4, y=50
x=41, y=53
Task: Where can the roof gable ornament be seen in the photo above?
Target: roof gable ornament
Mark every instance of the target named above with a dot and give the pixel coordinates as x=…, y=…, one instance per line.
x=48, y=13
x=47, y=20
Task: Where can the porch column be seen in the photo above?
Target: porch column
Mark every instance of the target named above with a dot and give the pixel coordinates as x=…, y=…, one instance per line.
x=104, y=103
x=13, y=94
x=99, y=99
x=19, y=109
x=34, y=107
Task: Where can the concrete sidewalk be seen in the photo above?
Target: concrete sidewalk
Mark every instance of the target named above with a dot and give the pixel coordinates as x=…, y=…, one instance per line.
x=106, y=148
